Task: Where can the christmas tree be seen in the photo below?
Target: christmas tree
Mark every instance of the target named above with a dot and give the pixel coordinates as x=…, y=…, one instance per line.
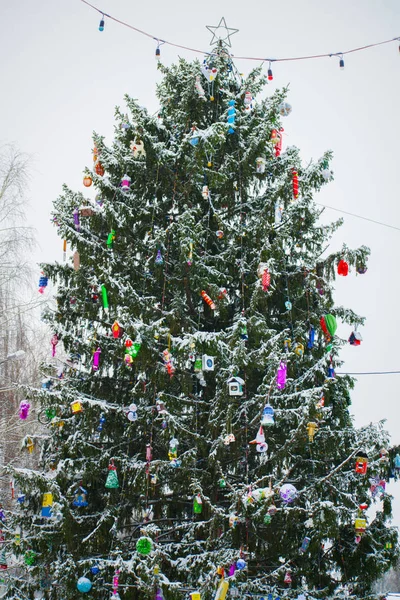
x=199, y=441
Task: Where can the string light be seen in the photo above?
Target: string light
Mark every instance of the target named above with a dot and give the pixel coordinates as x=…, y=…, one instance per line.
x=341, y=62
x=101, y=26
x=270, y=75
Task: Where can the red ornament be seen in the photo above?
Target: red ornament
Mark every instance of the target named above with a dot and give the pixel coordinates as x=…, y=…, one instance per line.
x=116, y=330
x=128, y=343
x=361, y=463
x=98, y=167
x=295, y=182
x=276, y=139
x=265, y=280
x=208, y=300
x=343, y=268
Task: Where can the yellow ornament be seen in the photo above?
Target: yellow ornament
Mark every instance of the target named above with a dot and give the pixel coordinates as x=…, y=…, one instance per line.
x=311, y=429
x=76, y=406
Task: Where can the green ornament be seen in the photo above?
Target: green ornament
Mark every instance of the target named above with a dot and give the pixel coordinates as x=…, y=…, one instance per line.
x=267, y=519
x=30, y=558
x=112, y=477
x=198, y=365
x=50, y=413
x=134, y=349
x=104, y=295
x=197, y=505
x=144, y=545
x=111, y=238
x=328, y=348
x=222, y=483
x=331, y=324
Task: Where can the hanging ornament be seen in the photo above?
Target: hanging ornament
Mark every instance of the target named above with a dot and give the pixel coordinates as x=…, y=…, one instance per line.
x=288, y=493
x=115, y=584
x=190, y=256
x=361, y=463
x=260, y=165
x=87, y=181
x=311, y=338
x=3, y=561
x=276, y=139
x=76, y=407
x=304, y=544
x=144, y=545
x=231, y=116
x=137, y=148
x=355, y=338
x=96, y=359
x=199, y=88
x=235, y=386
x=248, y=99
x=208, y=300
x=268, y=415
x=298, y=349
x=281, y=376
x=241, y=564
x=47, y=504
x=284, y=109
x=343, y=268
x=261, y=445
x=112, y=477
x=125, y=183
x=209, y=72
x=30, y=558
x=99, y=169
x=132, y=413
x=361, y=268
x=222, y=589
x=110, y=239
x=173, y=449
x=169, y=362
x=116, y=330
x=311, y=429
x=100, y=426
x=396, y=462
x=159, y=259
x=104, y=296
x=295, y=184
x=265, y=276
x=360, y=526
x=205, y=192
x=80, y=497
x=84, y=585
x=24, y=410
x=43, y=281
x=328, y=325
x=278, y=212
x=76, y=260
x=197, y=504
x=195, y=137
x=76, y=219
x=288, y=578
x=229, y=439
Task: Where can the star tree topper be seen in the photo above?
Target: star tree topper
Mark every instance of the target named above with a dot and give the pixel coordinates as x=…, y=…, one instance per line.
x=221, y=33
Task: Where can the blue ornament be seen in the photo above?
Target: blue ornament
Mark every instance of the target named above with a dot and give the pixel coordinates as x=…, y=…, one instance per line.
x=288, y=305
x=101, y=423
x=84, y=585
x=241, y=564
x=95, y=569
x=231, y=116
x=268, y=415
x=311, y=338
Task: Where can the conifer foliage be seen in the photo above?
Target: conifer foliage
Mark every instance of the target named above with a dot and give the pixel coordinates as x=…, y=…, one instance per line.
x=198, y=439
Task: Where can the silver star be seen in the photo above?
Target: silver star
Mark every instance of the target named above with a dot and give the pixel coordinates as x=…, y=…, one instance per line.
x=221, y=33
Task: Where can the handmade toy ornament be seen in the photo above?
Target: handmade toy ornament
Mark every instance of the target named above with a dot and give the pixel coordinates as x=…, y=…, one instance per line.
x=99, y=169
x=137, y=148
x=24, y=410
x=361, y=463
x=299, y=349
x=29, y=445
x=115, y=584
x=278, y=212
x=311, y=338
x=288, y=578
x=209, y=73
x=396, y=462
x=47, y=504
x=295, y=183
x=76, y=407
x=235, y=386
x=281, y=376
x=195, y=137
x=231, y=116
x=229, y=439
x=173, y=449
x=276, y=139
x=125, y=183
x=288, y=493
x=96, y=359
x=205, y=192
x=84, y=585
x=76, y=219
x=190, y=256
x=199, y=88
x=168, y=361
x=304, y=545
x=284, y=109
x=112, y=477
x=355, y=338
x=197, y=504
x=207, y=300
x=241, y=564
x=43, y=281
x=248, y=99
x=311, y=430
x=222, y=589
x=132, y=413
x=116, y=330
x=110, y=239
x=328, y=325
x=80, y=497
x=361, y=269
x=261, y=445
x=343, y=268
x=30, y=558
x=104, y=296
x=260, y=165
x=268, y=415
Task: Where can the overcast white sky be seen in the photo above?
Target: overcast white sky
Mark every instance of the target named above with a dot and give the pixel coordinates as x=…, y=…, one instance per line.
x=61, y=79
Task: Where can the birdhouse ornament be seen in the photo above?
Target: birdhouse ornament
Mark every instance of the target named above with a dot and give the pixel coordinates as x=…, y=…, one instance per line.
x=268, y=415
x=112, y=477
x=355, y=338
x=80, y=497
x=137, y=148
x=361, y=463
x=235, y=386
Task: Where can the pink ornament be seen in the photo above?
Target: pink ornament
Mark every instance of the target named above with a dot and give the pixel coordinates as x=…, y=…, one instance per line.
x=115, y=582
x=96, y=359
x=232, y=570
x=24, y=410
x=125, y=183
x=281, y=376
x=54, y=342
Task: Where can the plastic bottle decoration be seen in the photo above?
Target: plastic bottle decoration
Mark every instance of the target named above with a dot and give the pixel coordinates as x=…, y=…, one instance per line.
x=112, y=477
x=361, y=463
x=268, y=415
x=47, y=504
x=76, y=219
x=24, y=410
x=144, y=545
x=116, y=330
x=96, y=359
x=137, y=147
x=343, y=268
x=329, y=325
x=288, y=493
x=284, y=109
x=43, y=281
x=104, y=296
x=260, y=165
x=265, y=280
x=173, y=449
x=169, y=362
x=110, y=239
x=207, y=300
x=288, y=578
x=54, y=342
x=396, y=462
x=278, y=212
x=100, y=426
x=304, y=545
x=261, y=445
x=360, y=525
x=101, y=24
x=355, y=338
x=295, y=183
x=84, y=585
x=311, y=430
x=199, y=88
x=80, y=497
x=87, y=181
x=205, y=192
x=222, y=589
x=311, y=338
x=197, y=504
x=231, y=116
x=132, y=413
x=281, y=376
x=276, y=139
x=115, y=584
x=159, y=259
x=195, y=137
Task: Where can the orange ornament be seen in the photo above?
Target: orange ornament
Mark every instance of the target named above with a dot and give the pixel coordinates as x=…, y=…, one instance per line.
x=87, y=181
x=98, y=167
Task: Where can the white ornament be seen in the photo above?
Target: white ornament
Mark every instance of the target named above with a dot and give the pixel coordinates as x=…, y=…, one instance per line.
x=285, y=109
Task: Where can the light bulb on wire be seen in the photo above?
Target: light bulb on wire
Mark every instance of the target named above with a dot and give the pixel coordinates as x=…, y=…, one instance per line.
x=341, y=62
x=270, y=75
x=101, y=25
x=158, y=53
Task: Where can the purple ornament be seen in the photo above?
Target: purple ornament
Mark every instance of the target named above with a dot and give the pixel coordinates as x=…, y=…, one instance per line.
x=96, y=359
x=76, y=219
x=232, y=570
x=281, y=376
x=159, y=594
x=24, y=410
